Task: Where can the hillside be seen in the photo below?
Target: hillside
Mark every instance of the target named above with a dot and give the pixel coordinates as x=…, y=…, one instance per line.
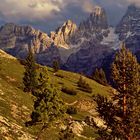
x=15, y=105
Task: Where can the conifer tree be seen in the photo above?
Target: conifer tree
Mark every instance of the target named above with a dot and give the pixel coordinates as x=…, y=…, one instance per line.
x=125, y=75
x=103, y=77
x=121, y=113
x=29, y=79
x=99, y=76
x=55, y=66
x=96, y=75
x=48, y=106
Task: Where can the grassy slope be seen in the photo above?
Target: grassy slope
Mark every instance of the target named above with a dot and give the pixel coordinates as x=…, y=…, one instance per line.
x=15, y=105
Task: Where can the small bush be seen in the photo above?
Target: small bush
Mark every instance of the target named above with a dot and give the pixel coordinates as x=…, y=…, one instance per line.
x=71, y=110
x=83, y=85
x=61, y=83
x=59, y=75
x=69, y=91
x=86, y=89
x=22, y=61
x=56, y=65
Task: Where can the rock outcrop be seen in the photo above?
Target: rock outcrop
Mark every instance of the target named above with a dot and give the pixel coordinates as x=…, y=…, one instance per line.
x=90, y=56
x=17, y=40
x=13, y=36
x=63, y=33
x=78, y=49
x=95, y=26
x=129, y=29
x=89, y=35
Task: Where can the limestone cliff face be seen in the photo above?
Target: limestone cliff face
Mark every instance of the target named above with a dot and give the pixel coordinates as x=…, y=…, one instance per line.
x=63, y=33
x=79, y=48
x=129, y=29
x=16, y=39
x=91, y=52
x=90, y=56
x=95, y=26
x=79, y=45
x=96, y=21
x=130, y=23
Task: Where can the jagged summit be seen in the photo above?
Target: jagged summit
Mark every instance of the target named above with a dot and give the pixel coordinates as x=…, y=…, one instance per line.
x=14, y=36
x=97, y=11
x=129, y=29
x=95, y=26
x=62, y=34
x=133, y=6
x=97, y=19
x=16, y=40
x=130, y=23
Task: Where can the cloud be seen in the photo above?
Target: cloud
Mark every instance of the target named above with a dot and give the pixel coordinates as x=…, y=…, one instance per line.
x=86, y=5
x=136, y=2
x=12, y=10
x=29, y=9
x=51, y=13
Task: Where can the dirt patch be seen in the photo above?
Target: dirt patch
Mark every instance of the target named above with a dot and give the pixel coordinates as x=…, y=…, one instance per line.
x=10, y=79
x=85, y=105
x=15, y=111
x=10, y=130
x=1, y=92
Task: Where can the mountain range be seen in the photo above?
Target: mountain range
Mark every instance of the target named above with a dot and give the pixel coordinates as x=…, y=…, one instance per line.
x=79, y=48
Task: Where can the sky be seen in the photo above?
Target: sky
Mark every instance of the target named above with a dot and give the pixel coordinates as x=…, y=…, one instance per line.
x=47, y=15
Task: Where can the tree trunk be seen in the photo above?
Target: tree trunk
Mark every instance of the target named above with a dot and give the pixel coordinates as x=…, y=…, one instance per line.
x=129, y=138
x=124, y=101
x=124, y=105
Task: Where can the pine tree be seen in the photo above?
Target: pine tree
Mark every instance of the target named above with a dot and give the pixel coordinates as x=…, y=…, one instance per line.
x=29, y=79
x=55, y=66
x=125, y=75
x=99, y=76
x=122, y=112
x=48, y=106
x=102, y=77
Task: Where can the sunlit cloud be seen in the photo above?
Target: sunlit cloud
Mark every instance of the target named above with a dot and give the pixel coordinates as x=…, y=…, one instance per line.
x=53, y=12
x=38, y=9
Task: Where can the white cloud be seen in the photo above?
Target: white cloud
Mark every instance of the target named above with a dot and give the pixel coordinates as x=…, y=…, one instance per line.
x=136, y=2
x=36, y=11
x=14, y=10
x=29, y=9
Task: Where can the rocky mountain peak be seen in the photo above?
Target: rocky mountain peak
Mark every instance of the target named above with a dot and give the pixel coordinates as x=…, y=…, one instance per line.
x=97, y=11
x=129, y=29
x=11, y=28
x=95, y=26
x=96, y=20
x=130, y=23
x=132, y=7
x=16, y=40
x=63, y=33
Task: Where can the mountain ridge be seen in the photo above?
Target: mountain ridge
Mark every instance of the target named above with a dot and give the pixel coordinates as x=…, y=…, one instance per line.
x=93, y=35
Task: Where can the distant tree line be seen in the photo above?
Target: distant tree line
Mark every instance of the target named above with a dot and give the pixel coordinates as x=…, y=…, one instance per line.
x=100, y=77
